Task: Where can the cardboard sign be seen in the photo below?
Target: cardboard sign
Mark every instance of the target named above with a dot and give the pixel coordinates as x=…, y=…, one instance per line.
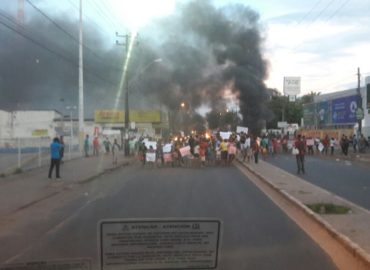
x=159, y=244
x=185, y=151
x=225, y=135
x=150, y=143
x=310, y=142
x=150, y=157
x=167, y=148
x=240, y=129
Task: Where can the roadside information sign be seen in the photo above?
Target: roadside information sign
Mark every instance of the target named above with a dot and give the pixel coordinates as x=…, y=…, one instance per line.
x=159, y=244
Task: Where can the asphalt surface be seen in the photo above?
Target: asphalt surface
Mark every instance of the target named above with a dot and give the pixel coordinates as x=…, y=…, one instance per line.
x=344, y=178
x=256, y=234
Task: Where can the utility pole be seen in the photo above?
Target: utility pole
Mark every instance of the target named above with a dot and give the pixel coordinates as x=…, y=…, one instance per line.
x=359, y=101
x=127, y=111
x=81, y=116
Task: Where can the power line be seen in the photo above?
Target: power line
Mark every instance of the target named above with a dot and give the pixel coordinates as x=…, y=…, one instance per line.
x=86, y=16
x=337, y=10
x=56, y=53
x=66, y=32
x=102, y=15
x=308, y=13
x=321, y=12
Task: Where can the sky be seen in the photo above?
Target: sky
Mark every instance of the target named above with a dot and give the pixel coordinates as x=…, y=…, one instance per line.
x=321, y=41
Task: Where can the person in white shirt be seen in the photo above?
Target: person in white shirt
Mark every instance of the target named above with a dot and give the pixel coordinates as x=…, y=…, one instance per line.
x=332, y=145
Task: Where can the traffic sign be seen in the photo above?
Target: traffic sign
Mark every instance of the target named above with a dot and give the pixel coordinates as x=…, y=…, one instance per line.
x=359, y=113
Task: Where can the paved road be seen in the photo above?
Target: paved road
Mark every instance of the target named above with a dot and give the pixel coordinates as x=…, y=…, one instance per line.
x=256, y=234
x=344, y=178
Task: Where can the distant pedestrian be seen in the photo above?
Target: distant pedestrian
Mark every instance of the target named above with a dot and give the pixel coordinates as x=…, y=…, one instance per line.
x=62, y=145
x=344, y=143
x=142, y=152
x=55, y=158
x=362, y=144
x=106, y=144
x=115, y=148
x=354, y=143
x=96, y=146
x=332, y=145
x=300, y=146
x=255, y=148
x=231, y=151
x=223, y=149
x=326, y=144
x=86, y=146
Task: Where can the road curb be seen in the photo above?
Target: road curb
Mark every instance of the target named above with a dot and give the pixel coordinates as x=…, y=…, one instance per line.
x=358, y=253
x=92, y=178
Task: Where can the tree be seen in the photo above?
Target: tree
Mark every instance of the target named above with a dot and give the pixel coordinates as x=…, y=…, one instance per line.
x=292, y=111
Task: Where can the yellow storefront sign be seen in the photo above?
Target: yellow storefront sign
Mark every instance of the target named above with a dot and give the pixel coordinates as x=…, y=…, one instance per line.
x=118, y=116
x=109, y=116
x=40, y=133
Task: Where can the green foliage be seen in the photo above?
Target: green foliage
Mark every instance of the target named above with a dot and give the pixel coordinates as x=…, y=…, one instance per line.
x=328, y=208
x=292, y=111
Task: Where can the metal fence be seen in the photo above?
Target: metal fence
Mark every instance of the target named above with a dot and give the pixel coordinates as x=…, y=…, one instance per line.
x=21, y=154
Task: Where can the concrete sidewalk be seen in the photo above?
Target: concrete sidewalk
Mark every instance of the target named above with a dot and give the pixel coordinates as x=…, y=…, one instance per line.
x=352, y=229
x=25, y=189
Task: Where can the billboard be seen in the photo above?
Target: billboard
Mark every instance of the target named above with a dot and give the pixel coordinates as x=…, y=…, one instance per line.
x=118, y=116
x=322, y=113
x=292, y=86
x=344, y=110
x=109, y=116
x=40, y=133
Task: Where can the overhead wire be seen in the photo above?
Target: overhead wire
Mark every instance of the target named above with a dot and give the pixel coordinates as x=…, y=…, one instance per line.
x=84, y=15
x=337, y=10
x=54, y=52
x=308, y=13
x=315, y=19
x=107, y=19
x=321, y=12
x=67, y=33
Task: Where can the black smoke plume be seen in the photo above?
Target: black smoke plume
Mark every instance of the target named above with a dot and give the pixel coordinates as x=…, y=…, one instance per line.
x=205, y=50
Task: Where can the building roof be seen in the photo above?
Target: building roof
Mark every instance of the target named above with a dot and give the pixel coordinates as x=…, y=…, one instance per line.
x=339, y=94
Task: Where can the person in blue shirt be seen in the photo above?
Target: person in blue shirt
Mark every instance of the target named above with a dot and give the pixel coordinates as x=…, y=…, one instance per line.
x=86, y=146
x=55, y=147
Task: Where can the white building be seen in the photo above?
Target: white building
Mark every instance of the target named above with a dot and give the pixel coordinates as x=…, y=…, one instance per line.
x=5, y=131
x=348, y=93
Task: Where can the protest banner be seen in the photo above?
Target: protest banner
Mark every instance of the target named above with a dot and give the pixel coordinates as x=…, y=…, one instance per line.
x=150, y=157
x=167, y=148
x=240, y=129
x=185, y=151
x=225, y=135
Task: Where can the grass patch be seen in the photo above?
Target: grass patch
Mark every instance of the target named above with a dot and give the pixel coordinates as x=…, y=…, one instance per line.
x=18, y=171
x=328, y=208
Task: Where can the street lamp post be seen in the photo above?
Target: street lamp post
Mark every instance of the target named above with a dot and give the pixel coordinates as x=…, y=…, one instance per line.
x=127, y=110
x=71, y=108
